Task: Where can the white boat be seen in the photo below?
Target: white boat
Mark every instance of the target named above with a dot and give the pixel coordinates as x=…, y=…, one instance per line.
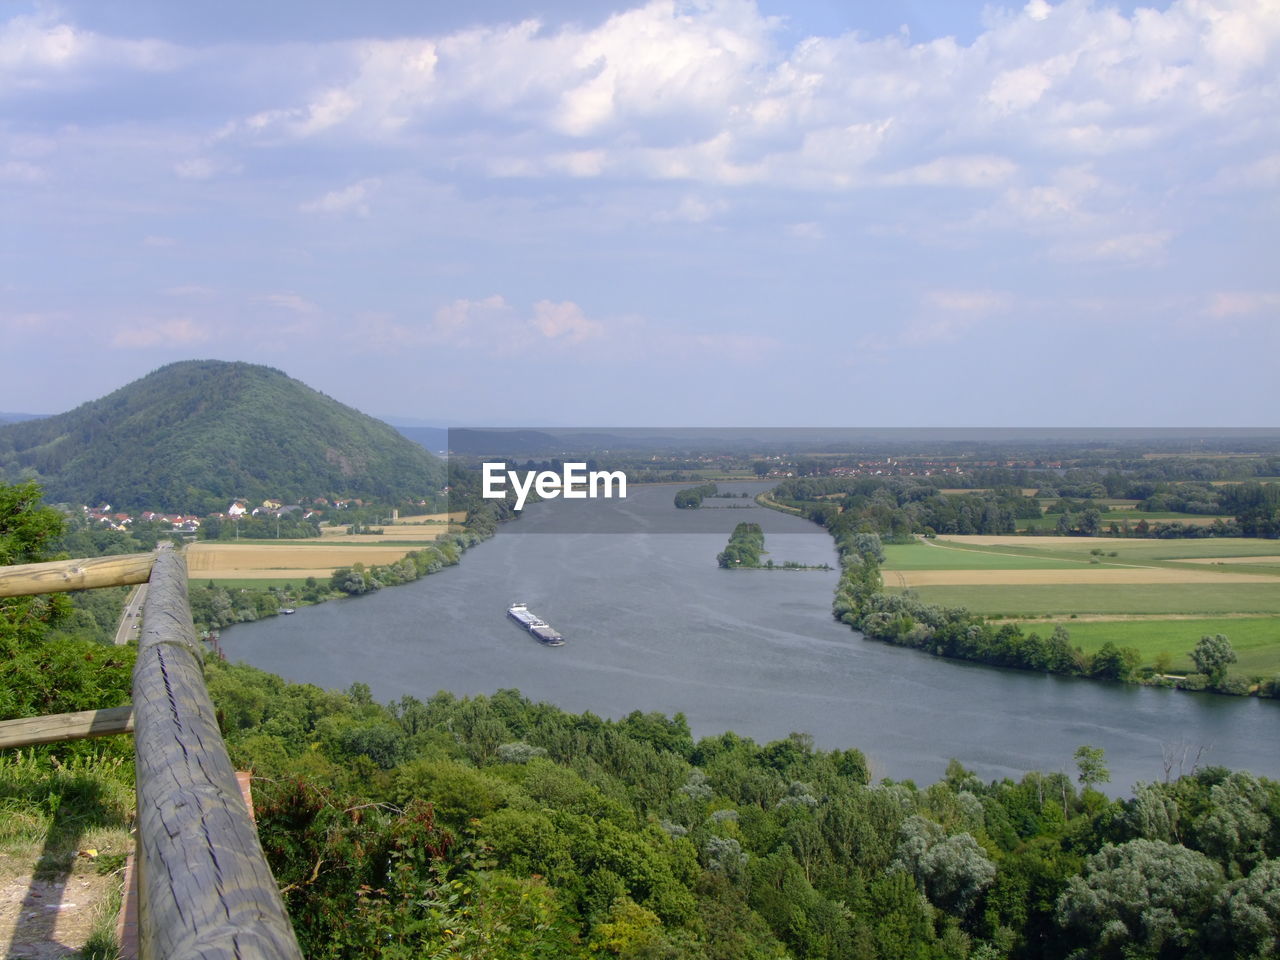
x=541, y=630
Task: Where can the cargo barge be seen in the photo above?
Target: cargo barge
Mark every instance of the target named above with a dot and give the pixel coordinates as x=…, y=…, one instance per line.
x=541, y=630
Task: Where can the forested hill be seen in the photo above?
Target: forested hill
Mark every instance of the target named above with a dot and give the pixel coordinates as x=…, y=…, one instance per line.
x=194, y=434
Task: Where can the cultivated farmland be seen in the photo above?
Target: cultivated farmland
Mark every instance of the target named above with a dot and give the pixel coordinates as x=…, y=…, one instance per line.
x=299, y=559
x=1158, y=596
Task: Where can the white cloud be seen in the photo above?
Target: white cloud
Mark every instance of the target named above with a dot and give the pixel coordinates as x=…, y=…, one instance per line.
x=179, y=331
x=926, y=331
x=1262, y=173
x=1242, y=304
x=26, y=322
x=973, y=171
x=563, y=320
x=204, y=168
x=692, y=209
x=968, y=301
x=352, y=199
x=289, y=301
x=1122, y=248
x=19, y=171
x=457, y=320
x=806, y=231
x=676, y=76
x=39, y=51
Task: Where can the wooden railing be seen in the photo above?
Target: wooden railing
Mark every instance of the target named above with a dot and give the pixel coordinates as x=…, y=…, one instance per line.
x=204, y=887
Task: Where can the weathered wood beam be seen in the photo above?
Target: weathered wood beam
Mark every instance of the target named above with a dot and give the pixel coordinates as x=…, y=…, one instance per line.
x=204, y=889
x=56, y=727
x=58, y=576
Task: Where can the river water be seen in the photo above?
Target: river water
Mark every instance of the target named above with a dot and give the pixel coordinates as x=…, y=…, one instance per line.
x=651, y=623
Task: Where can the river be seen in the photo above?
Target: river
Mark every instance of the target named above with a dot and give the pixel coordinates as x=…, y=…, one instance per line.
x=653, y=624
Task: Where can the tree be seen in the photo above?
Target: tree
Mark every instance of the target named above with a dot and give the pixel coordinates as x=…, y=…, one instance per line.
x=1211, y=656
x=1115, y=663
x=952, y=870
x=1249, y=912
x=1144, y=898
x=40, y=672
x=1089, y=763
x=868, y=547
x=28, y=531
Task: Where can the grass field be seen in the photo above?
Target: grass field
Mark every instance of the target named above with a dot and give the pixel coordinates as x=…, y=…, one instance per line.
x=1120, y=598
x=1256, y=640
x=922, y=556
x=255, y=583
x=1129, y=549
x=1143, y=597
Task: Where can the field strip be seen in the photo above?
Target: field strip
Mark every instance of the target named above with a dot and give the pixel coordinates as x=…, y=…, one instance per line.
x=1069, y=619
x=1213, y=560
x=258, y=573
x=271, y=560
x=393, y=535
x=1014, y=540
x=1091, y=575
x=1088, y=561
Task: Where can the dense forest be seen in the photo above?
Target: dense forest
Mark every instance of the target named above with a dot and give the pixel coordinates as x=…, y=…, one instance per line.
x=192, y=436
x=496, y=827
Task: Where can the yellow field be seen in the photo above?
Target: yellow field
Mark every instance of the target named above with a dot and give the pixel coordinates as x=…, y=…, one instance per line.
x=426, y=528
x=271, y=560
x=956, y=578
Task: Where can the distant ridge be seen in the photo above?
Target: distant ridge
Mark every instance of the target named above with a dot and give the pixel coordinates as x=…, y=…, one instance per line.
x=192, y=435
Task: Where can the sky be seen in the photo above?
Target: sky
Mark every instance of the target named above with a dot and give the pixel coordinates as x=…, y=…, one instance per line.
x=716, y=212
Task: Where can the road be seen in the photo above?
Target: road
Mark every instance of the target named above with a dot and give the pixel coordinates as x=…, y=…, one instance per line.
x=131, y=618
x=132, y=615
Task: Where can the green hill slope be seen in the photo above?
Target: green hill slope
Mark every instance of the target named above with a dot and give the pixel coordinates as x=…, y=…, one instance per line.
x=194, y=434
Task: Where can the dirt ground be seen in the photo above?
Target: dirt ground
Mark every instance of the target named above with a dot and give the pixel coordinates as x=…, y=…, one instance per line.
x=47, y=919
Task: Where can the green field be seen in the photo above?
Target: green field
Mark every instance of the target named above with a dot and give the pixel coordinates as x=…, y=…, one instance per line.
x=256, y=584
x=1256, y=640
x=1016, y=600
x=924, y=556
x=1144, y=551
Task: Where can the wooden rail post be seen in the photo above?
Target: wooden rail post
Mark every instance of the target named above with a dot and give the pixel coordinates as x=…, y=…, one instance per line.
x=57, y=727
x=204, y=889
x=59, y=576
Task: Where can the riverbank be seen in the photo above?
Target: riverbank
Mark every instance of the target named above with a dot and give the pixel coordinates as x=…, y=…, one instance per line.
x=897, y=614
x=216, y=605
